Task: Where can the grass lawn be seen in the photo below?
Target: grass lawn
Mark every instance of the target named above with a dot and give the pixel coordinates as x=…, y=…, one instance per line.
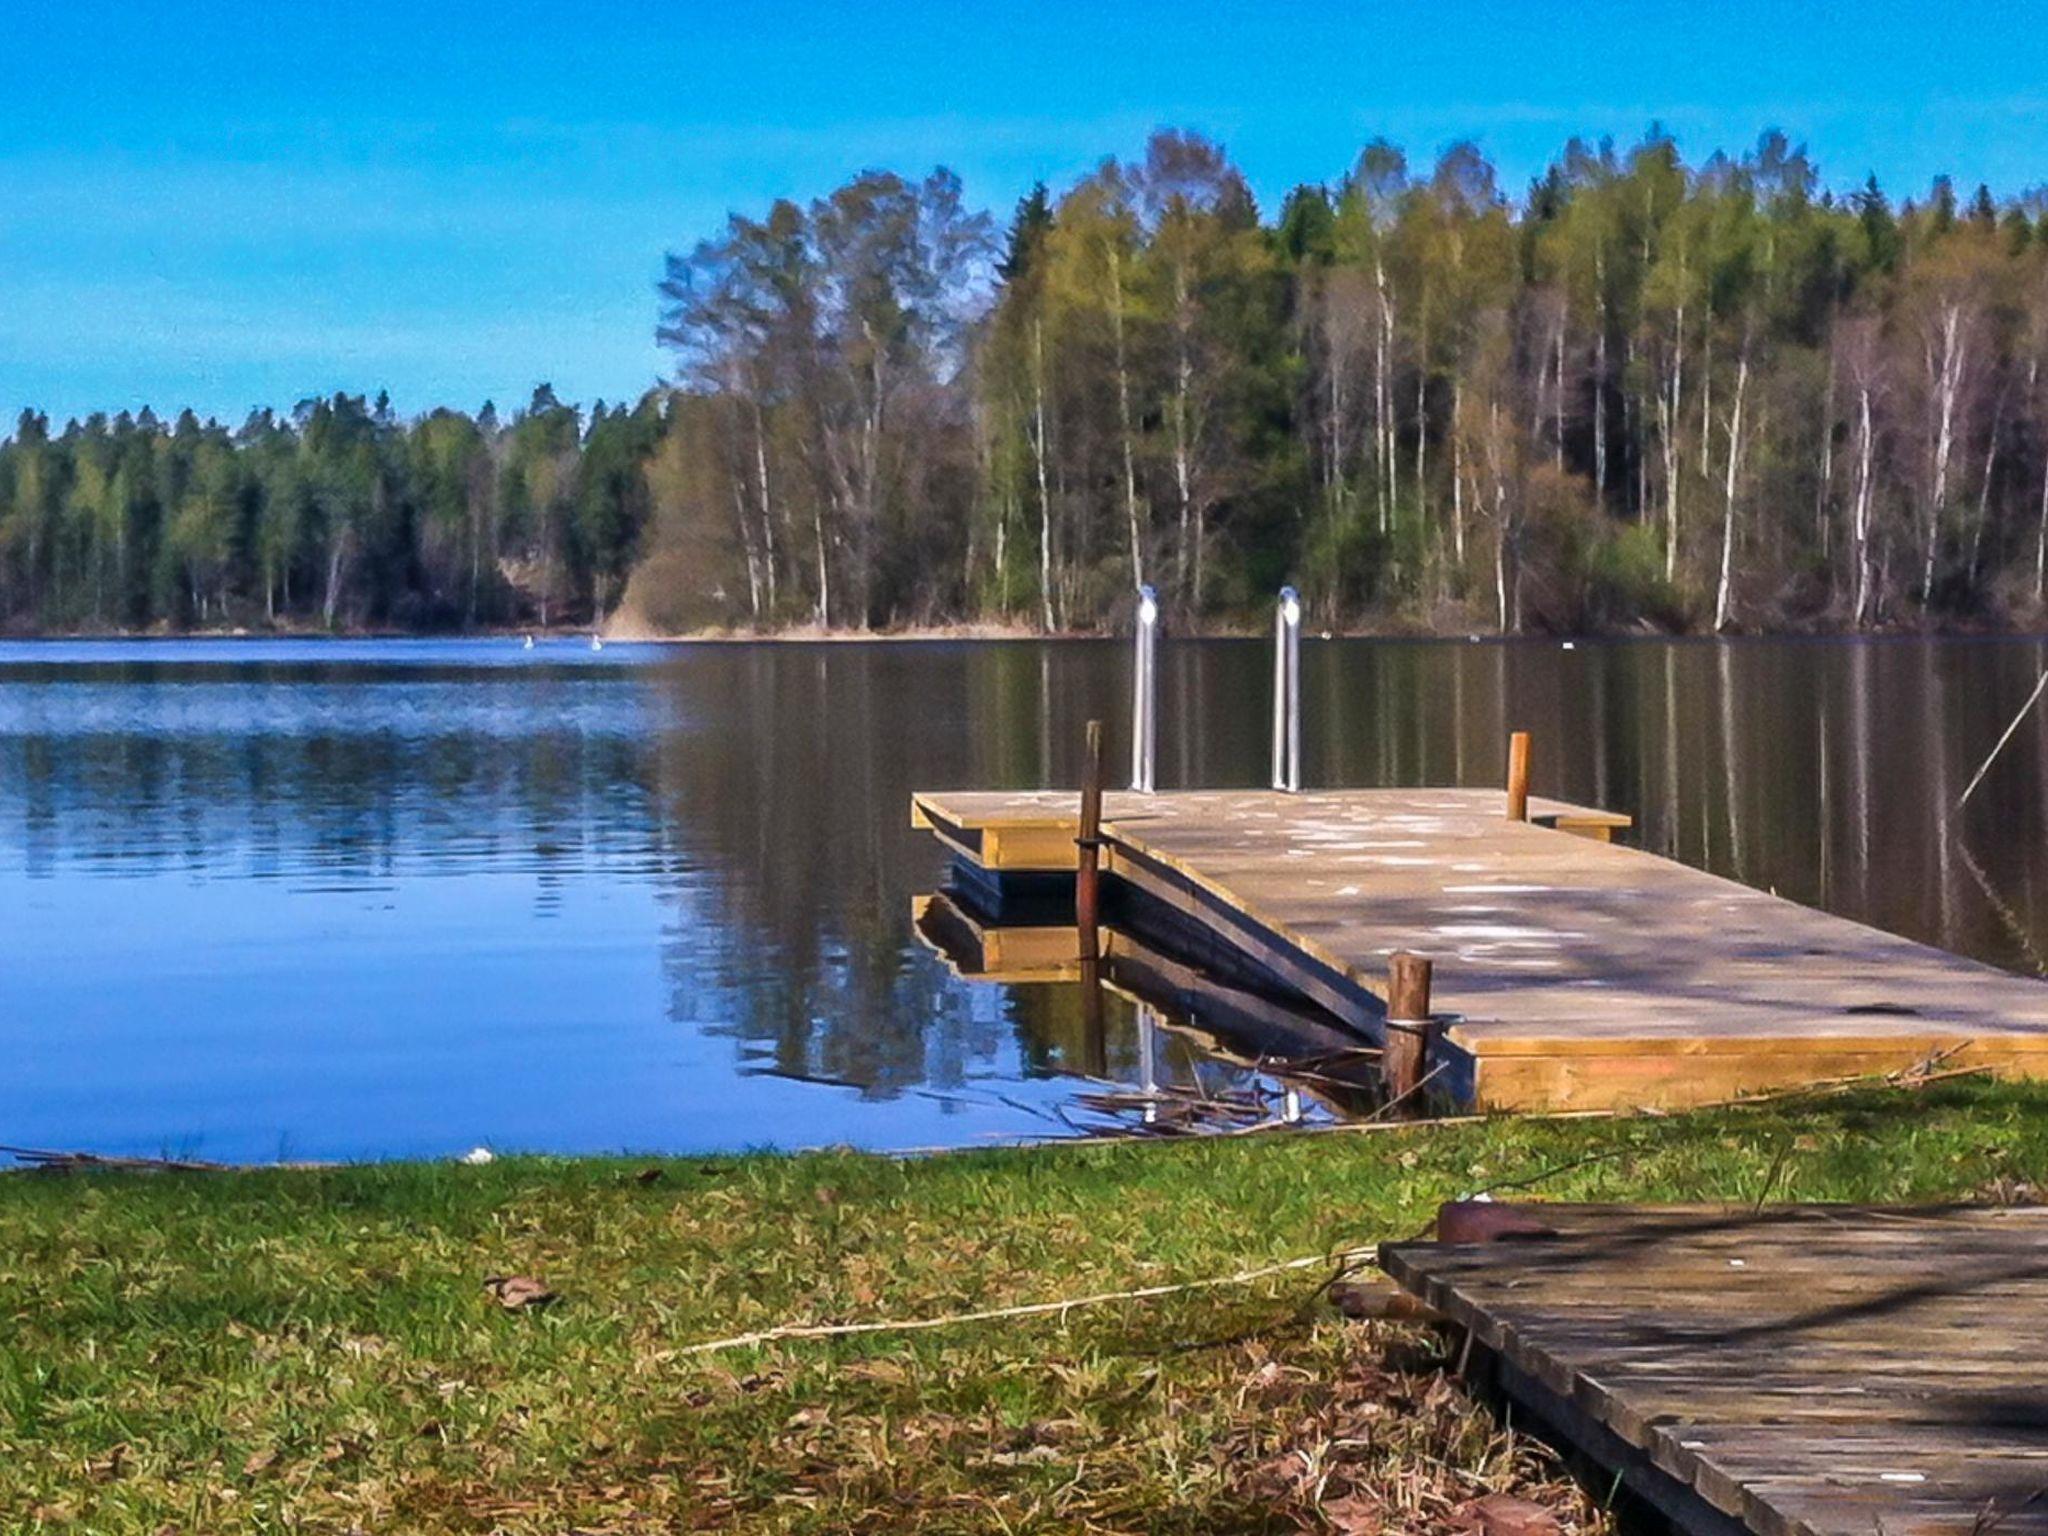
x=313, y=1351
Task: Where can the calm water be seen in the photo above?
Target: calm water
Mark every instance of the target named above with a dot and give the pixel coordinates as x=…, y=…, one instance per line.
x=373, y=899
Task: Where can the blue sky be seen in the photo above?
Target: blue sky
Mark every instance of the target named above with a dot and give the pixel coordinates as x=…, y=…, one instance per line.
x=232, y=204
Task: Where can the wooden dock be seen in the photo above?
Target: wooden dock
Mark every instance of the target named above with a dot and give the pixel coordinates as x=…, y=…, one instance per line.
x=1800, y=1371
x=1570, y=971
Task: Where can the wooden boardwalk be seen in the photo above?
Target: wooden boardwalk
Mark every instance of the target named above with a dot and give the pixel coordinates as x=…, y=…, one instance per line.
x=1570, y=971
x=1801, y=1371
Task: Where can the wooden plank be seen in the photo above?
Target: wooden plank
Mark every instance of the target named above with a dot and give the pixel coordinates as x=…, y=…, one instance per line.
x=1808, y=1370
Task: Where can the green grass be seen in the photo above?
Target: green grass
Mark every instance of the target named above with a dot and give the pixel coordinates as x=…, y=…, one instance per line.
x=312, y=1351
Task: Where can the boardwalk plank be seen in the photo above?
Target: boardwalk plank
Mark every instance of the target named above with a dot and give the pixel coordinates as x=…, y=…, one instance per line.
x=1863, y=1370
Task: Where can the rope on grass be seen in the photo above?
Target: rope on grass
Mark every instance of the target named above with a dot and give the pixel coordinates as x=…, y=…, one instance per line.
x=1345, y=1259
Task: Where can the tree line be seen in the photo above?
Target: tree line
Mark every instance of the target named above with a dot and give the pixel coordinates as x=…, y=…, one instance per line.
x=1705, y=396
x=337, y=516
x=1641, y=393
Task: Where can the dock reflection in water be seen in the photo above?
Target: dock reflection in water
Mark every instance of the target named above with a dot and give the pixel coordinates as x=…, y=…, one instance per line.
x=1244, y=1057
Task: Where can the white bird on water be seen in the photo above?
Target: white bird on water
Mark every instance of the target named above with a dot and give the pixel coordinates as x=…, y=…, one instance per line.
x=597, y=642
x=528, y=645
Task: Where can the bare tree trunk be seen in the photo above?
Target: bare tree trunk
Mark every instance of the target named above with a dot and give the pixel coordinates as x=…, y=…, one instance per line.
x=1723, y=592
x=1984, y=486
x=337, y=556
x=767, y=505
x=1823, y=525
x=1860, y=519
x=1600, y=382
x=1707, y=395
x=1038, y=457
x=824, y=607
x=2041, y=546
x=1421, y=431
x=749, y=549
x=870, y=476
x=1123, y=410
x=1557, y=395
x=1948, y=391
x=1003, y=504
x=1333, y=429
x=1183, y=385
x=1669, y=408
x=1458, y=468
x=1500, y=516
x=1383, y=425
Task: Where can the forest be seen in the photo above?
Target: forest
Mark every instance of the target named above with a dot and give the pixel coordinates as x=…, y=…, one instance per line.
x=1643, y=394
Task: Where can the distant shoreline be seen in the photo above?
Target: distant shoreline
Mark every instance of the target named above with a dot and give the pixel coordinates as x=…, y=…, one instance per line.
x=955, y=633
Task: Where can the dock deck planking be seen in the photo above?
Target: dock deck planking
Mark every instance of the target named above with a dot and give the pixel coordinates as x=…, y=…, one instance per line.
x=1573, y=972
x=1802, y=1371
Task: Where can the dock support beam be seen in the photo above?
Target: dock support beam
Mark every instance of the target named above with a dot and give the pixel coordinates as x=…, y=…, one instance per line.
x=1287, y=692
x=1518, y=776
x=1145, y=692
x=1404, y=1058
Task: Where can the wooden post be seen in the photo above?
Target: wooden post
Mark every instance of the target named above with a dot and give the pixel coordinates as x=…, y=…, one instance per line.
x=1088, y=903
x=1088, y=847
x=1405, y=1056
x=1518, y=776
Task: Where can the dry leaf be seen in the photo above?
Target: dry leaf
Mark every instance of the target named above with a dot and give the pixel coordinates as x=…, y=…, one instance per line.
x=1030, y=1456
x=1352, y=1516
x=1502, y=1514
x=875, y=1370
x=1377, y=1299
x=514, y=1292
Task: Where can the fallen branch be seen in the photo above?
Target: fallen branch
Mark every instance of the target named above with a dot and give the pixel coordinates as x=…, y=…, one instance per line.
x=61, y=1162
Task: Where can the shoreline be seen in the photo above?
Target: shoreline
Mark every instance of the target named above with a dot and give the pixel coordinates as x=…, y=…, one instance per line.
x=601, y=1342
x=994, y=633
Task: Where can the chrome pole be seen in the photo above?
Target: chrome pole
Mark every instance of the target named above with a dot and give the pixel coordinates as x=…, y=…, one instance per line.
x=1145, y=690
x=1287, y=692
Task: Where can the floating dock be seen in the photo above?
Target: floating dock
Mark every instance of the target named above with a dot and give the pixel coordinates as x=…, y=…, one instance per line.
x=1570, y=971
x=1798, y=1371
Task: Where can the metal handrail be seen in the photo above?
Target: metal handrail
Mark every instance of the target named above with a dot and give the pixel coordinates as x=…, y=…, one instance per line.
x=1287, y=692
x=1145, y=690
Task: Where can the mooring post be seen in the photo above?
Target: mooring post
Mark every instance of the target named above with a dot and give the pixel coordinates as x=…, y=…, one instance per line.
x=1145, y=689
x=1088, y=900
x=1518, y=776
x=1405, y=1055
x=1088, y=848
x=1287, y=692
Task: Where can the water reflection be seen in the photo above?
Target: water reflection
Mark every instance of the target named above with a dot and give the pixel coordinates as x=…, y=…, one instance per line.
x=403, y=897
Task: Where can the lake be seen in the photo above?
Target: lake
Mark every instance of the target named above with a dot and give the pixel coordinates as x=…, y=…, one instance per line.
x=342, y=899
